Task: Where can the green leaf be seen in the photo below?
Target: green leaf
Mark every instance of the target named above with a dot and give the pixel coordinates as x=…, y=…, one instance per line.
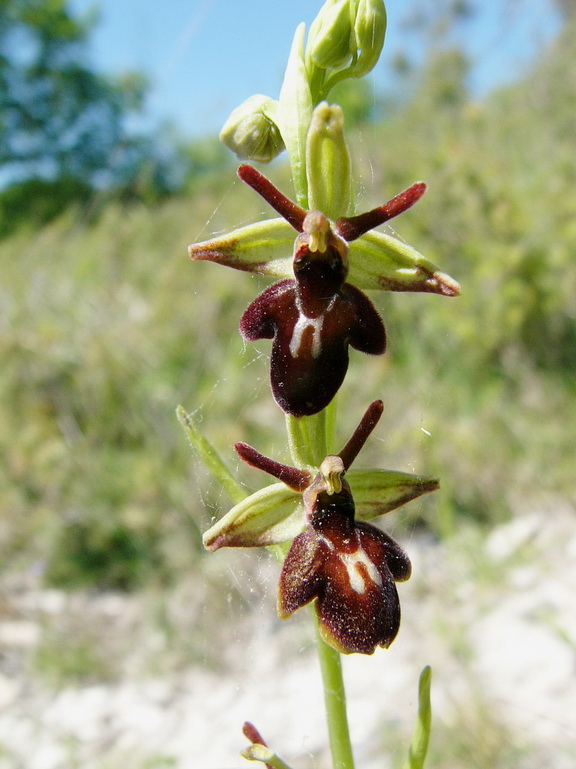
x=421, y=737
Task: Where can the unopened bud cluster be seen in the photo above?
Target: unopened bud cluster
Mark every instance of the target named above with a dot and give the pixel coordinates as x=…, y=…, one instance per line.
x=347, y=35
x=344, y=41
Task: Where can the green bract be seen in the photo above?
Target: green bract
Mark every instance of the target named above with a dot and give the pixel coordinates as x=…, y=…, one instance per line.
x=295, y=113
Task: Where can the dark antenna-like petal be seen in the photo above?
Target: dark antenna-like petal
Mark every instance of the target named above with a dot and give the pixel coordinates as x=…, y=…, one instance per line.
x=361, y=433
x=351, y=228
x=292, y=212
x=295, y=479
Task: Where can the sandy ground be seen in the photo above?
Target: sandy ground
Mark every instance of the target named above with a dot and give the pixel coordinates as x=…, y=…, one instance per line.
x=495, y=618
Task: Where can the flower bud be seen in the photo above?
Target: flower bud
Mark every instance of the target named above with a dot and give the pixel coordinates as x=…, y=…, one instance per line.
x=330, y=40
x=369, y=29
x=251, y=131
x=328, y=162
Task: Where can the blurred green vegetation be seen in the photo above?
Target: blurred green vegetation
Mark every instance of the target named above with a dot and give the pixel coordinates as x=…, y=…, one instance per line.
x=105, y=328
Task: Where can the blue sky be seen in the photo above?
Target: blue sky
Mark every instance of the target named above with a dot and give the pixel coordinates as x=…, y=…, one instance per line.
x=203, y=57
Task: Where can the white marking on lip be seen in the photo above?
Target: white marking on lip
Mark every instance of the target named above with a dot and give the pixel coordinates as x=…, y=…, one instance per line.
x=351, y=562
x=303, y=323
x=329, y=544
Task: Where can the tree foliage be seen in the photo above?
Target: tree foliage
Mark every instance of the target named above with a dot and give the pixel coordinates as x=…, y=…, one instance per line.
x=59, y=118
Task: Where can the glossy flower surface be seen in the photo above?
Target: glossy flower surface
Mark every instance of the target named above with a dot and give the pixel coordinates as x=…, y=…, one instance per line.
x=317, y=311
x=350, y=568
x=312, y=320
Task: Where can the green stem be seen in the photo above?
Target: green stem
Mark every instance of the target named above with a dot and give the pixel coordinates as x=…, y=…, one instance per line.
x=309, y=438
x=335, y=701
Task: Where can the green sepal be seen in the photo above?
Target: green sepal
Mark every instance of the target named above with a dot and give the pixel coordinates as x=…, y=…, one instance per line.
x=261, y=247
x=275, y=514
x=377, y=492
x=382, y=262
x=268, y=517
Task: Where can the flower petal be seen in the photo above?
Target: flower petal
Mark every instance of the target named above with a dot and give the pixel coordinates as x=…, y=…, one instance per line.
x=377, y=492
x=268, y=517
x=299, y=581
x=380, y=261
x=261, y=247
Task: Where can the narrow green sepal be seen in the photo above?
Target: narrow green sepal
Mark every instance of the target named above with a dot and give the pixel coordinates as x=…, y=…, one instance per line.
x=421, y=737
x=259, y=247
x=328, y=166
x=382, y=262
x=268, y=517
x=377, y=492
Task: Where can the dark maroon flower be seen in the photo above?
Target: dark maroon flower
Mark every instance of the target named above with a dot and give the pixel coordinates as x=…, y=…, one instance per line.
x=312, y=319
x=315, y=316
x=346, y=565
x=319, y=310
x=349, y=567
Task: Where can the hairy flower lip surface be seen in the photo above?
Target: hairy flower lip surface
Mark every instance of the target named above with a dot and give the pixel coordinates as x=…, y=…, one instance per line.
x=347, y=567
x=312, y=320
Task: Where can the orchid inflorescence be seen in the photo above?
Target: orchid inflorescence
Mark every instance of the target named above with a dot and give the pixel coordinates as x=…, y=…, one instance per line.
x=313, y=314
x=323, y=257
